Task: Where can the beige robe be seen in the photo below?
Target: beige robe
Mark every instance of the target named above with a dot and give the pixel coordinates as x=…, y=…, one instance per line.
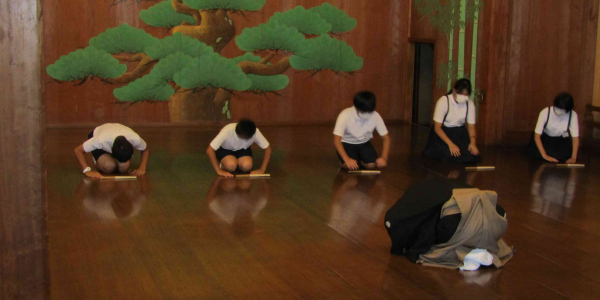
x=480, y=227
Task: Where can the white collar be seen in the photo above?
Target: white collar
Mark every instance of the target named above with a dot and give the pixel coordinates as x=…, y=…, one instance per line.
x=357, y=117
x=355, y=113
x=452, y=100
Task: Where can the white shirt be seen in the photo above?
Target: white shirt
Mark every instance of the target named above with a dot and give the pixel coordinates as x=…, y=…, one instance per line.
x=457, y=113
x=229, y=140
x=105, y=135
x=557, y=126
x=355, y=130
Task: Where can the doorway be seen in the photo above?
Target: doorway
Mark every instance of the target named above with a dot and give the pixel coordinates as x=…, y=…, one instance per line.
x=423, y=84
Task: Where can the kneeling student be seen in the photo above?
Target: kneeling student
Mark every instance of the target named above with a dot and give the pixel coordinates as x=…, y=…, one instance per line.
x=112, y=147
x=453, y=138
x=556, y=135
x=231, y=148
x=353, y=133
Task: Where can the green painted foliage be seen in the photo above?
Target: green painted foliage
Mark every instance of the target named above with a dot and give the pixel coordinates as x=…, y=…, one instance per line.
x=164, y=15
x=271, y=36
x=226, y=110
x=248, y=56
x=326, y=52
x=213, y=71
x=123, y=39
x=244, y=5
x=473, y=6
x=226, y=107
x=84, y=63
x=192, y=64
x=447, y=72
x=178, y=42
x=268, y=83
x=306, y=21
x=339, y=20
x=145, y=88
x=445, y=15
x=170, y=65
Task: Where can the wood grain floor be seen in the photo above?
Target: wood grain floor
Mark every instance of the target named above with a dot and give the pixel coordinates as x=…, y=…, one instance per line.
x=308, y=232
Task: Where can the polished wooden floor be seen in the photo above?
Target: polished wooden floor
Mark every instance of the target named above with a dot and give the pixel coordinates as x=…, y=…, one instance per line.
x=308, y=232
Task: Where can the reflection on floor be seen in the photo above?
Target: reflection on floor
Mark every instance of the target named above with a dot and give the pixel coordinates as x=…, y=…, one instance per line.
x=111, y=200
x=308, y=232
x=235, y=203
x=357, y=204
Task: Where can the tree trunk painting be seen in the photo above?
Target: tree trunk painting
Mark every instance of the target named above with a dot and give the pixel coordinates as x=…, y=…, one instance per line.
x=186, y=68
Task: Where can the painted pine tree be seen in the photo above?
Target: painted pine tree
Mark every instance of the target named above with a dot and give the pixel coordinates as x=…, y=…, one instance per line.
x=186, y=68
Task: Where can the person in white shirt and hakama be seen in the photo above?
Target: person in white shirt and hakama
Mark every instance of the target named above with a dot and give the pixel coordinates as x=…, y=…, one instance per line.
x=556, y=135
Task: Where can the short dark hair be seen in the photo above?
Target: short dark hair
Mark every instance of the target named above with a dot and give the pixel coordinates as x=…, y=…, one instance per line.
x=365, y=101
x=245, y=128
x=122, y=150
x=564, y=101
x=461, y=85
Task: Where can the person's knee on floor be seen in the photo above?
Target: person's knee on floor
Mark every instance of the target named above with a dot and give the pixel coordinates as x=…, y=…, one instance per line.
x=245, y=164
x=229, y=164
x=106, y=164
x=123, y=167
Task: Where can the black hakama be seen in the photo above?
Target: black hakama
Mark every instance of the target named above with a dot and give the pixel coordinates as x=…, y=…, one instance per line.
x=558, y=147
x=437, y=149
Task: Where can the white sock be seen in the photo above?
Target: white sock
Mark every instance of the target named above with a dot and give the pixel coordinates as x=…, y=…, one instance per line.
x=480, y=256
x=470, y=266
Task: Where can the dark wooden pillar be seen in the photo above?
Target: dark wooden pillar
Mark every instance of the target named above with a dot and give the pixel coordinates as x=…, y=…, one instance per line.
x=492, y=62
x=23, y=238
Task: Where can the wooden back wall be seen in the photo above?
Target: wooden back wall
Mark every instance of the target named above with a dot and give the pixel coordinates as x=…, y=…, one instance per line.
x=533, y=49
x=529, y=50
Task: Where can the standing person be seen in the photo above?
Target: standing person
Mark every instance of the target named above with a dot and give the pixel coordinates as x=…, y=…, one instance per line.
x=353, y=133
x=230, y=150
x=453, y=137
x=112, y=147
x=556, y=135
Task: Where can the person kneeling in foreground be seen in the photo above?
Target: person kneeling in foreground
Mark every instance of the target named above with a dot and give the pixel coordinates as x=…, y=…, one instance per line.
x=439, y=222
x=453, y=137
x=556, y=135
x=231, y=148
x=353, y=133
x=112, y=147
